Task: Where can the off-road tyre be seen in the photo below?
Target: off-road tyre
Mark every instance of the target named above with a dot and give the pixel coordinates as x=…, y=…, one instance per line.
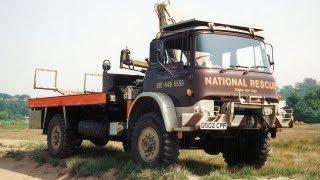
x=99, y=141
x=250, y=149
x=168, y=143
x=60, y=141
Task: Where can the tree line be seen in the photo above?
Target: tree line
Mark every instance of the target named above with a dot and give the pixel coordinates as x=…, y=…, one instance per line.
x=13, y=107
x=304, y=99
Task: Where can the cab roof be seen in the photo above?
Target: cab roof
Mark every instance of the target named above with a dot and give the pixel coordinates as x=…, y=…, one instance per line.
x=193, y=24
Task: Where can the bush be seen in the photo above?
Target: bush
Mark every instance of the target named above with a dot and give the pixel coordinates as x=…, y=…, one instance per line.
x=4, y=115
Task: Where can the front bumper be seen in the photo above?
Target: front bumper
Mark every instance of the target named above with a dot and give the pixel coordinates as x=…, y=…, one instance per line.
x=264, y=116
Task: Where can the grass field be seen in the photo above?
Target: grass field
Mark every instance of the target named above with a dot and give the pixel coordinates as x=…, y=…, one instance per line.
x=295, y=153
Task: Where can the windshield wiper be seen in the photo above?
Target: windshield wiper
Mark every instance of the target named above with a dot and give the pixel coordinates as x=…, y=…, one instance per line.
x=238, y=66
x=265, y=67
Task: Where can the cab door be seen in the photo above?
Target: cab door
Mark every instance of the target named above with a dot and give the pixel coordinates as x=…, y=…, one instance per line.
x=170, y=68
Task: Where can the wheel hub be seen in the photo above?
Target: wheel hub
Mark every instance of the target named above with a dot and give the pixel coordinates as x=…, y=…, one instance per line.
x=56, y=137
x=148, y=144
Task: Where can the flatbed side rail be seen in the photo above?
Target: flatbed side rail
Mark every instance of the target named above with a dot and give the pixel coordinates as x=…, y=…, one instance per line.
x=69, y=100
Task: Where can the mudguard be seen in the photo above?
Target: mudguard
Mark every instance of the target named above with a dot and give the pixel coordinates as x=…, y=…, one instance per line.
x=166, y=106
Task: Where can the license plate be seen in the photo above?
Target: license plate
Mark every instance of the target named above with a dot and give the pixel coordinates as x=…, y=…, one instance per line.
x=213, y=125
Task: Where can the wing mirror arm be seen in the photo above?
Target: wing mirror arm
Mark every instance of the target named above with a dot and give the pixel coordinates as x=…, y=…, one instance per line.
x=271, y=59
x=158, y=52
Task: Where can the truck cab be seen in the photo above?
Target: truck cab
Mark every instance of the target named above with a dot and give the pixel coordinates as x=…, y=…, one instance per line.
x=198, y=62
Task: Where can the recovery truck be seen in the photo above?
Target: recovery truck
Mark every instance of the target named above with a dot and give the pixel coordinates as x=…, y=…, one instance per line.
x=205, y=85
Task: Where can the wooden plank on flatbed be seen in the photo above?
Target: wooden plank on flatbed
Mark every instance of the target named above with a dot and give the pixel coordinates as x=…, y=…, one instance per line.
x=70, y=100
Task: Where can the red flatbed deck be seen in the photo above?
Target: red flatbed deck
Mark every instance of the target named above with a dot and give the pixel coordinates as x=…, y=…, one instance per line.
x=69, y=100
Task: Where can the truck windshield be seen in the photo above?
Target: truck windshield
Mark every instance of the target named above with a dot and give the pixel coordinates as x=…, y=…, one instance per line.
x=225, y=51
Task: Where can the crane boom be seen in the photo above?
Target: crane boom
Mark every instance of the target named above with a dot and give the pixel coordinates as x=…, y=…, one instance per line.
x=166, y=17
x=165, y=13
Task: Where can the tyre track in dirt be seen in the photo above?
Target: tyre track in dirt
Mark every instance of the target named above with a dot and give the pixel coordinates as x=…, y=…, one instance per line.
x=25, y=168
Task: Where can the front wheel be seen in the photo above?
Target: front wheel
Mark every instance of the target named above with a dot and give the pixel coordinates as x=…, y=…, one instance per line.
x=151, y=145
x=250, y=149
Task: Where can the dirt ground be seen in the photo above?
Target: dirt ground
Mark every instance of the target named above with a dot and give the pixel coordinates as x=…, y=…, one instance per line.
x=25, y=168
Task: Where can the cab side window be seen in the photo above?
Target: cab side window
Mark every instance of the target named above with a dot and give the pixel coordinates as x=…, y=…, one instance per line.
x=176, y=50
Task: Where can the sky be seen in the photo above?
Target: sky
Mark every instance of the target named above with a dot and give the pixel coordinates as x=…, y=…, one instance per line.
x=75, y=36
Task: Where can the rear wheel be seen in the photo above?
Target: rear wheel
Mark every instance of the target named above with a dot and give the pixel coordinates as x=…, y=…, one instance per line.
x=151, y=144
x=250, y=149
x=60, y=141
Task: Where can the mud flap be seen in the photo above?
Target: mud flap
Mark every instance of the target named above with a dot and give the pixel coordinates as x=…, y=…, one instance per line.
x=35, y=119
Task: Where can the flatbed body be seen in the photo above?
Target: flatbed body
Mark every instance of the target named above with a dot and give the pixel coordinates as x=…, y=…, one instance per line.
x=68, y=100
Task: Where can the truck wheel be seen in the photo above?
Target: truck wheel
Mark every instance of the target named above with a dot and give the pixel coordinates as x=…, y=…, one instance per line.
x=99, y=141
x=61, y=142
x=151, y=144
x=251, y=149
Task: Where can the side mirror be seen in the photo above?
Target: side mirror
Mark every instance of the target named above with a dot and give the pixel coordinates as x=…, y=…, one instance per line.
x=158, y=49
x=270, y=60
x=106, y=65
